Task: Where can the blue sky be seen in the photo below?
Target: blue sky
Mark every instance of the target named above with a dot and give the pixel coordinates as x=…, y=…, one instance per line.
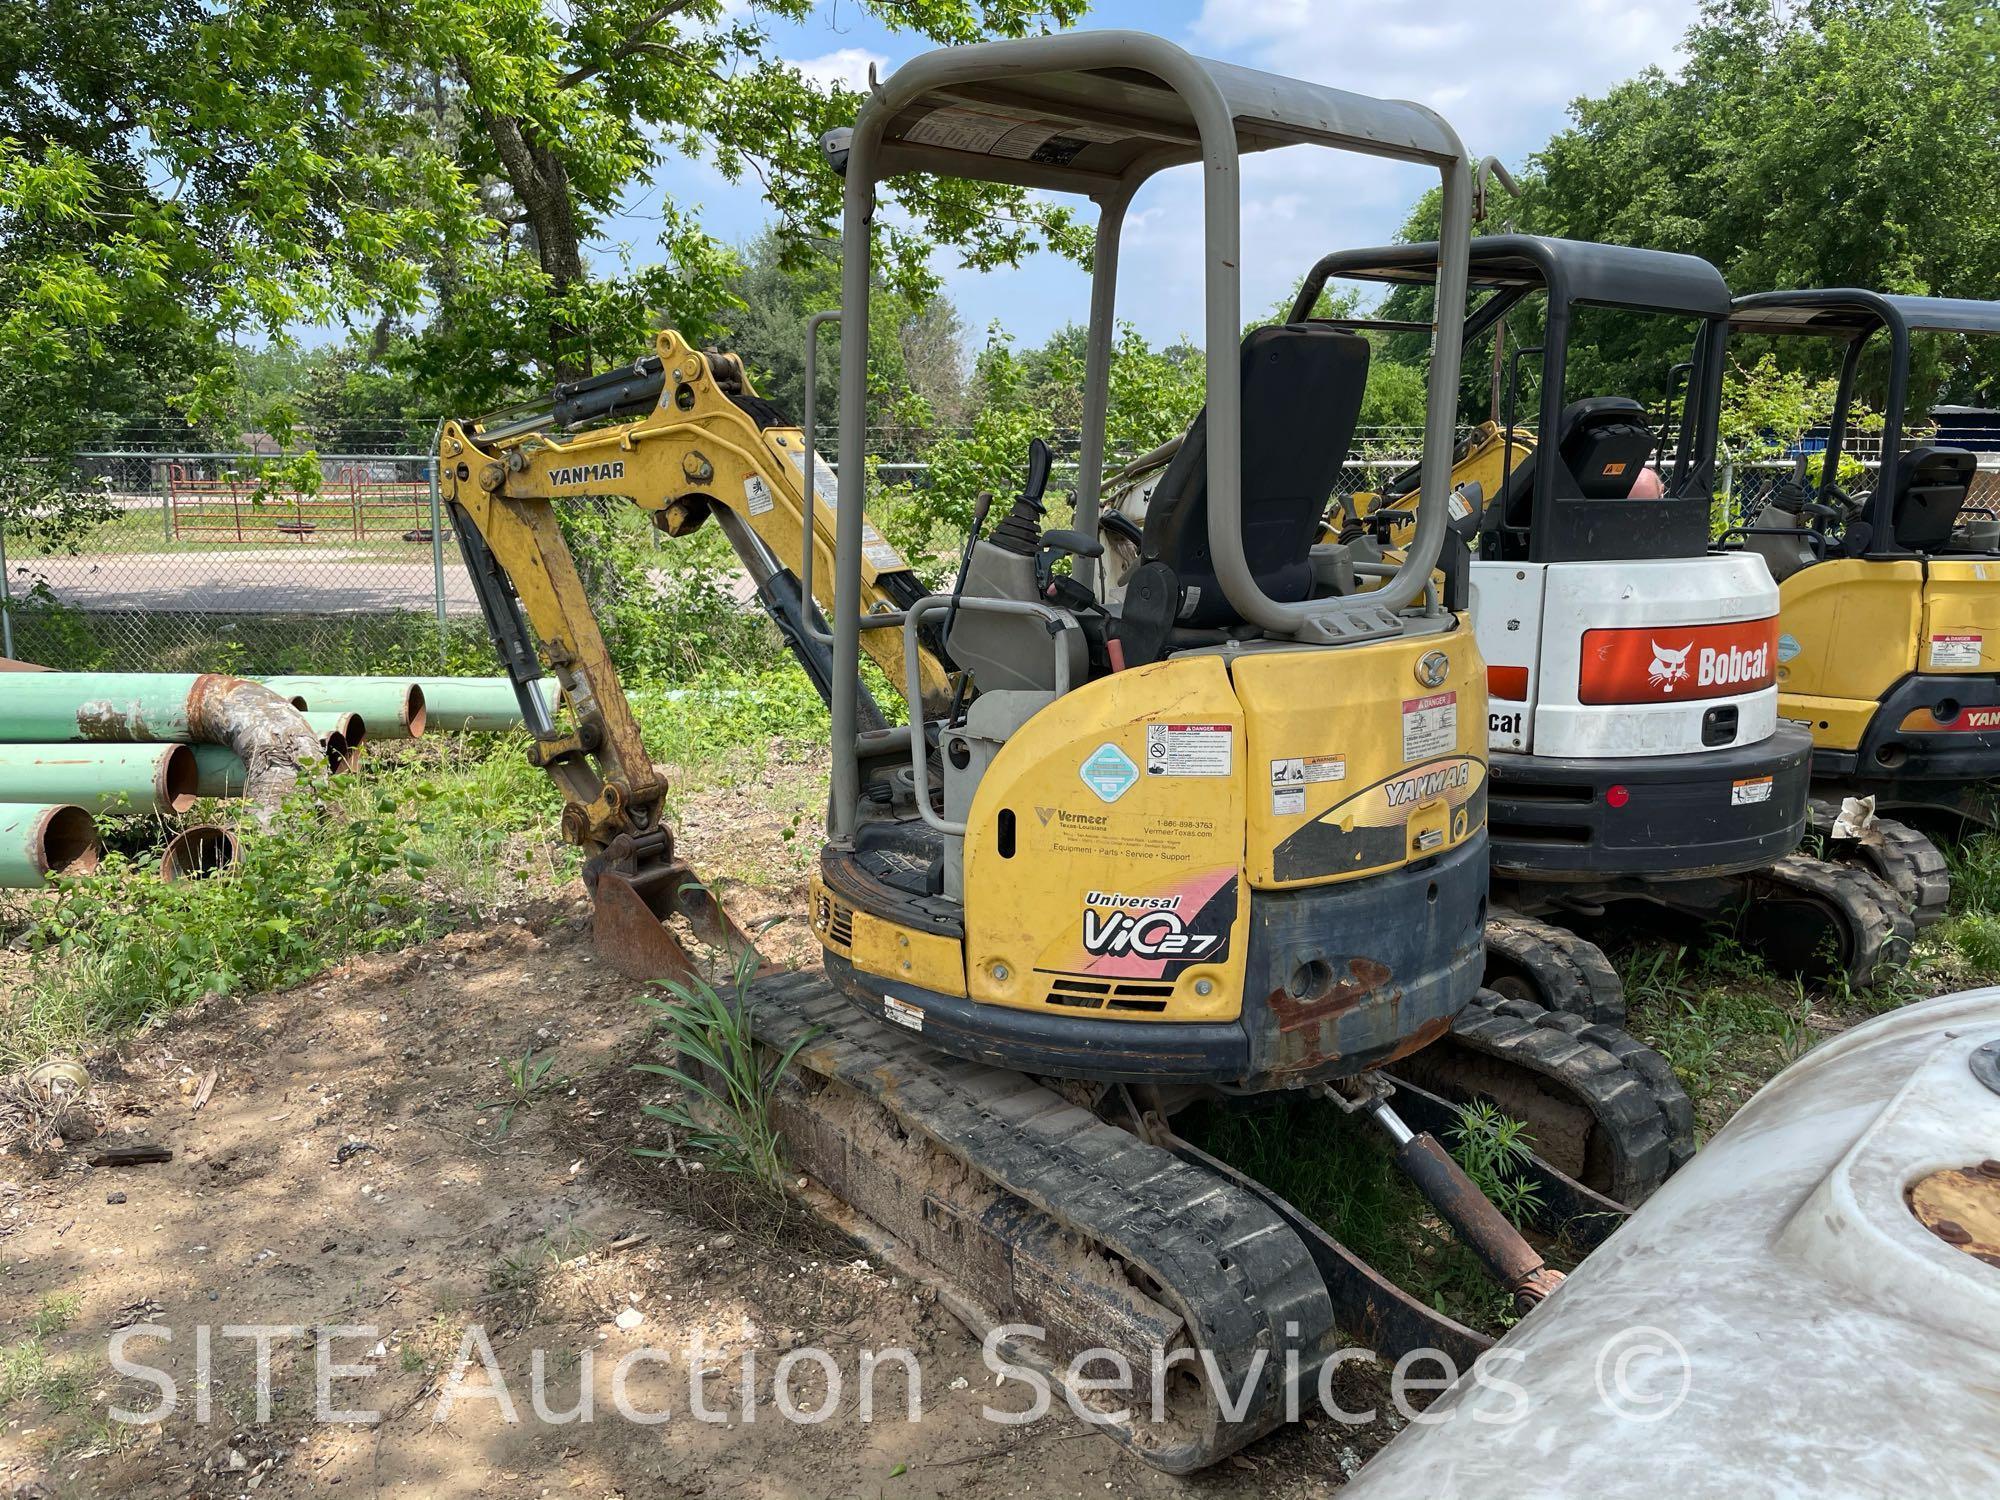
x=1503, y=74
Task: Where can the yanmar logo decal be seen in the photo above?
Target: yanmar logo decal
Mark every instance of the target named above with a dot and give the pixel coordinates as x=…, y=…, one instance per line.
x=1977, y=719
x=1116, y=925
x=1428, y=784
x=1652, y=665
x=586, y=474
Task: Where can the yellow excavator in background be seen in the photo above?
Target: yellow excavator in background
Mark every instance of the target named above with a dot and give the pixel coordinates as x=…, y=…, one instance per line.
x=1223, y=840
x=1889, y=655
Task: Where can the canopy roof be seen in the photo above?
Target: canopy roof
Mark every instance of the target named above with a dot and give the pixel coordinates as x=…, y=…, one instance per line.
x=1571, y=270
x=1848, y=310
x=1033, y=116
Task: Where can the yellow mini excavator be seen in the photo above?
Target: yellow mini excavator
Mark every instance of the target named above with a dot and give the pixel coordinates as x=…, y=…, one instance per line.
x=1225, y=839
x=1889, y=600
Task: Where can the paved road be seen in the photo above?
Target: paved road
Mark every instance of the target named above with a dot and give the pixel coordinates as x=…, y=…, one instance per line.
x=294, y=580
x=265, y=581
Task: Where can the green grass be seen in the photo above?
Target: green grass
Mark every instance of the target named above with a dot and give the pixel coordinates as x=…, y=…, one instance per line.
x=721, y=1086
x=1339, y=1172
x=57, y=1311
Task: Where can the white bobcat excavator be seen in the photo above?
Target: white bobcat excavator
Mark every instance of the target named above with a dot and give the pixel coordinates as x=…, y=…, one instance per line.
x=1636, y=753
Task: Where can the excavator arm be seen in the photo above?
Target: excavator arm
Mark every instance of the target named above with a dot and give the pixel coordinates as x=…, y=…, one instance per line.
x=705, y=445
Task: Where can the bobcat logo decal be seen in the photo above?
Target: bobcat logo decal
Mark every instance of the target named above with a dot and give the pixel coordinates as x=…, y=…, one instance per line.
x=1669, y=667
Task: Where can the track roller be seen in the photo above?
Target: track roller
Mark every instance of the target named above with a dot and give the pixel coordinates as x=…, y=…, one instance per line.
x=1598, y=1103
x=1552, y=966
x=1913, y=867
x=1824, y=919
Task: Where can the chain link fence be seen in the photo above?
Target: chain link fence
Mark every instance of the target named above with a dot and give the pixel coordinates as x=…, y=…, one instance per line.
x=210, y=560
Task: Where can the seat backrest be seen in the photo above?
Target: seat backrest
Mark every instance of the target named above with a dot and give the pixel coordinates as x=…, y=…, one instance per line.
x=1931, y=485
x=1302, y=387
x=1605, y=443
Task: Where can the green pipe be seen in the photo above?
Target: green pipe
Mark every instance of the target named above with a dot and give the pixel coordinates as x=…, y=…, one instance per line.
x=393, y=706
x=38, y=841
x=351, y=727
x=101, y=778
x=452, y=704
x=47, y=707
x=220, y=772
x=138, y=707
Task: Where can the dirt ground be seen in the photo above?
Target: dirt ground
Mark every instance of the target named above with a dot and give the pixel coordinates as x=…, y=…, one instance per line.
x=339, y=1160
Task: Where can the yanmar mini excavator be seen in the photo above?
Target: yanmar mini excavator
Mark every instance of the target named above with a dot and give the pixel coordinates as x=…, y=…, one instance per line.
x=1072, y=893
x=1636, y=749
x=1889, y=613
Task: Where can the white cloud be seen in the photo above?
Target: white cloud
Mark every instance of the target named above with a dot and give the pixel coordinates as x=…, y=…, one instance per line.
x=847, y=67
x=1502, y=74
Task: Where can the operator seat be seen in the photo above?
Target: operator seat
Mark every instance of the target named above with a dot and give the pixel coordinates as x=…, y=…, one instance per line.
x=1602, y=442
x=1302, y=387
x=1931, y=486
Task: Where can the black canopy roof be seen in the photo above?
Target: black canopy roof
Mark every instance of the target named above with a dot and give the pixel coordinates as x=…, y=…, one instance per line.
x=1573, y=270
x=1850, y=310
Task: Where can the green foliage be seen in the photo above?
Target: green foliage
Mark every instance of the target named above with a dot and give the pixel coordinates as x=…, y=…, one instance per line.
x=57, y=1311
x=1493, y=1148
x=1020, y=395
x=1340, y=1174
x=179, y=180
x=528, y=1079
x=1835, y=143
x=723, y=1087
x=120, y=946
x=915, y=347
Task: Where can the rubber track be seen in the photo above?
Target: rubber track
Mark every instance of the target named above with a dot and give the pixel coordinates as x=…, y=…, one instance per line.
x=1644, y=1119
x=1879, y=930
x=1236, y=1272
x=1914, y=867
x=1566, y=972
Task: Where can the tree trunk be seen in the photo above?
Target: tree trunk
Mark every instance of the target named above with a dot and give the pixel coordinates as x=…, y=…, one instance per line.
x=541, y=185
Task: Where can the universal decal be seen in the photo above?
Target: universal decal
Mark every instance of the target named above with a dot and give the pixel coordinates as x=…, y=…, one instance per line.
x=1151, y=933
x=1371, y=828
x=1677, y=663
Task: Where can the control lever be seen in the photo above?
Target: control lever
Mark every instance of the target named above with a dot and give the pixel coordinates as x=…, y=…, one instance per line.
x=980, y=507
x=1020, y=531
x=1058, y=544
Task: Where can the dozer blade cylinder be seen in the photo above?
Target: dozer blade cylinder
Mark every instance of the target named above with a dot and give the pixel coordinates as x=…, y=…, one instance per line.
x=1508, y=1258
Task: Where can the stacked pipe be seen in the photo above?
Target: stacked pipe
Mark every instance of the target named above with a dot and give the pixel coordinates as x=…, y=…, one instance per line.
x=404, y=707
x=75, y=745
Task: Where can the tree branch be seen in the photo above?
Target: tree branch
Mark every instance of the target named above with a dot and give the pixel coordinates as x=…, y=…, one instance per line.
x=633, y=41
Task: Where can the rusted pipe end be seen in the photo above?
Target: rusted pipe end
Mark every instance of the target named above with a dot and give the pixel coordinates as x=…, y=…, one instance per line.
x=178, y=779
x=197, y=852
x=341, y=757
x=65, y=842
x=354, y=729
x=298, y=701
x=415, y=715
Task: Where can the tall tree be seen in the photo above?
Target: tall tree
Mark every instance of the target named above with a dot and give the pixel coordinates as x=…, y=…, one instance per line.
x=209, y=171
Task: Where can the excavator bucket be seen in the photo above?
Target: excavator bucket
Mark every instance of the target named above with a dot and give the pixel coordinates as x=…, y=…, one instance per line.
x=632, y=916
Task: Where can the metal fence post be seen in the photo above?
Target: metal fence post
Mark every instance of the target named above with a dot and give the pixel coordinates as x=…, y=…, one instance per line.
x=6, y=595
x=437, y=560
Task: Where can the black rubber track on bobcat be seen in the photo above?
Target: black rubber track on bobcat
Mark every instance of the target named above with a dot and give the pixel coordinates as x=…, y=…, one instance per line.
x=1552, y=966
